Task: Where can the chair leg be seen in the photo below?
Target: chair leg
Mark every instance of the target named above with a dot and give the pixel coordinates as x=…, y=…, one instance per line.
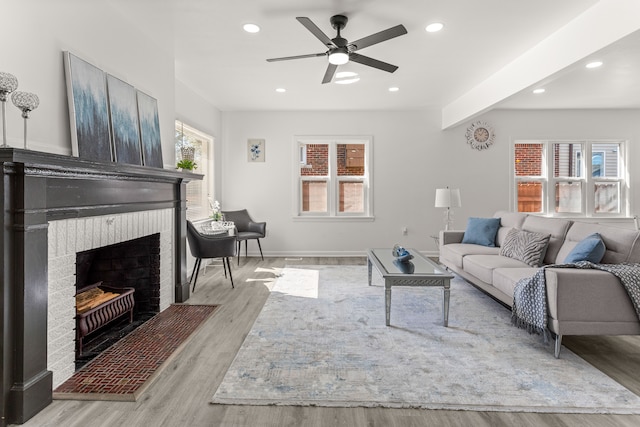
x=196, y=269
x=225, y=266
x=246, y=245
x=238, y=247
x=229, y=266
x=260, y=247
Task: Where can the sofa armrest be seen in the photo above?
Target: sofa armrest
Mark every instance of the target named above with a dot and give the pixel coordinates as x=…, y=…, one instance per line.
x=451, y=236
x=578, y=295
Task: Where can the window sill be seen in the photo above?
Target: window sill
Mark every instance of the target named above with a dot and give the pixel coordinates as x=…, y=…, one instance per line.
x=311, y=218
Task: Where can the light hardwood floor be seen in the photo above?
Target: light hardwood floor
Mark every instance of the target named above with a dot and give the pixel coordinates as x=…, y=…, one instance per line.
x=180, y=394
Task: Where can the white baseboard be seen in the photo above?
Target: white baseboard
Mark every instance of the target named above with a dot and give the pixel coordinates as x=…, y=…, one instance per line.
x=321, y=254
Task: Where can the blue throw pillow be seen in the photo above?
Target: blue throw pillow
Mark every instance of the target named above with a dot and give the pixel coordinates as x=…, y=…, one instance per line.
x=481, y=231
x=591, y=248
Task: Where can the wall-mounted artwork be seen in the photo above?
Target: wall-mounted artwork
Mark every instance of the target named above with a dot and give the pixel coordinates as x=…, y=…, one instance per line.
x=123, y=108
x=149, y=130
x=256, y=150
x=88, y=110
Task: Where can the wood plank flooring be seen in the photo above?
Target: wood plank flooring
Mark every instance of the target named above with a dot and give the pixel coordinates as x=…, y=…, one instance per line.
x=180, y=395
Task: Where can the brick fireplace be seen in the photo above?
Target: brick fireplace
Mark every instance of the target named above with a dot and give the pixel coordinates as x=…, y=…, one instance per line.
x=52, y=208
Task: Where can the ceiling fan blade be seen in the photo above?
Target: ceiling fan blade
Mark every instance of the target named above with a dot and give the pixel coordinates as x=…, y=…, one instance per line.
x=328, y=75
x=381, y=36
x=309, y=25
x=365, y=60
x=286, y=58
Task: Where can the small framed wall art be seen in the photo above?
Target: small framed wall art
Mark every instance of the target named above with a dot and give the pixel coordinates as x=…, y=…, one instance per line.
x=256, y=150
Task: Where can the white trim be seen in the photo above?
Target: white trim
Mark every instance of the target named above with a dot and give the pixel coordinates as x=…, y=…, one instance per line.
x=326, y=254
x=549, y=181
x=332, y=179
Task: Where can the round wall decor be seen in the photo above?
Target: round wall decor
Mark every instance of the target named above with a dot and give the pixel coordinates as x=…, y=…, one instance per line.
x=480, y=135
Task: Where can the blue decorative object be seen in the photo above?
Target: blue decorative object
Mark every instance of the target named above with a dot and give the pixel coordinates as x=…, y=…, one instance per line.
x=591, y=249
x=405, y=267
x=481, y=231
x=401, y=254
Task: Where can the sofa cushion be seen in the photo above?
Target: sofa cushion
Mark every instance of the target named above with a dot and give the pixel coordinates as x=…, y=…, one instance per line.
x=454, y=253
x=505, y=279
x=482, y=266
x=621, y=243
x=557, y=227
x=481, y=231
x=591, y=249
x=508, y=220
x=525, y=246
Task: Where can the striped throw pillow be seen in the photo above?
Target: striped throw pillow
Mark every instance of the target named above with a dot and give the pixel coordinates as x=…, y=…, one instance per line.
x=525, y=246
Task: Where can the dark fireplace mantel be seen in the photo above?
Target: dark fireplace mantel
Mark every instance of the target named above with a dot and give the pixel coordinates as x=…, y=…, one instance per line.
x=41, y=187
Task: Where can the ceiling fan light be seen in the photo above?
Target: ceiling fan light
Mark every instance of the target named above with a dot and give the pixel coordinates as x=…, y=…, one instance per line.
x=339, y=57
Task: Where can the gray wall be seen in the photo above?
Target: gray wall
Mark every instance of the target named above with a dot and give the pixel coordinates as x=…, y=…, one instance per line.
x=412, y=157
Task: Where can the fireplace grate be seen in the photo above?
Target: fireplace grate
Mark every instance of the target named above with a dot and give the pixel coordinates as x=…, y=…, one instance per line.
x=94, y=318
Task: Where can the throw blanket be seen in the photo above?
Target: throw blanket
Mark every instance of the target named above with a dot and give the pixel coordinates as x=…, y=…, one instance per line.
x=530, y=294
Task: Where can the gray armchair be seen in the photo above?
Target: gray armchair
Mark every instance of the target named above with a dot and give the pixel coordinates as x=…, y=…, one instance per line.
x=205, y=246
x=246, y=229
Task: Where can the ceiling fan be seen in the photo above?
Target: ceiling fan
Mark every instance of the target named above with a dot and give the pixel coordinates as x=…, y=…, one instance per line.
x=341, y=50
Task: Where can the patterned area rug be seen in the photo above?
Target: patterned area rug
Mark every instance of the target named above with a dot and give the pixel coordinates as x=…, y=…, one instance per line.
x=127, y=368
x=321, y=340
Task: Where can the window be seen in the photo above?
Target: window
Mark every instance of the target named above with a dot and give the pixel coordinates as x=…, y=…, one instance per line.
x=557, y=178
x=197, y=146
x=333, y=177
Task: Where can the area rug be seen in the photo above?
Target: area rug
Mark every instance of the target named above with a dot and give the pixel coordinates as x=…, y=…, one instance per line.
x=321, y=340
x=127, y=368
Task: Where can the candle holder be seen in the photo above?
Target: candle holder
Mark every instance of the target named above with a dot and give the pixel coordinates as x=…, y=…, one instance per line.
x=8, y=83
x=26, y=102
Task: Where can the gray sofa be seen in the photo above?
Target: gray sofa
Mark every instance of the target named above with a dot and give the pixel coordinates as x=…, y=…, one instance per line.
x=579, y=301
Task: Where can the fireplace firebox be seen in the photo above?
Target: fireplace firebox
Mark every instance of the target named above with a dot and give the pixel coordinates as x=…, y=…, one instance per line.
x=114, y=281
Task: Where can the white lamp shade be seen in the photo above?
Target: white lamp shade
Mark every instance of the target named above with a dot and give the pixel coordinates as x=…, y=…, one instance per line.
x=448, y=198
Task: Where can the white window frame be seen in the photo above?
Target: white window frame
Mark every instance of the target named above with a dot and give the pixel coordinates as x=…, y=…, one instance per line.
x=333, y=180
x=203, y=207
x=588, y=182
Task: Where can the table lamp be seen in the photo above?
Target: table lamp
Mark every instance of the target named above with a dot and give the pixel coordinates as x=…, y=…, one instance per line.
x=448, y=198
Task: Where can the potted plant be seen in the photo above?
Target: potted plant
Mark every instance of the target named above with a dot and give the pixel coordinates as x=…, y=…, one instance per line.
x=187, y=165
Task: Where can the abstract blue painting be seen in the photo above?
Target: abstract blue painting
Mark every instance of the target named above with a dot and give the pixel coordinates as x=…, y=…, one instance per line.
x=149, y=130
x=88, y=110
x=123, y=109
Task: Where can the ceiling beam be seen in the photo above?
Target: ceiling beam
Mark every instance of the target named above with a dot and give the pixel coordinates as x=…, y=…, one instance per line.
x=599, y=26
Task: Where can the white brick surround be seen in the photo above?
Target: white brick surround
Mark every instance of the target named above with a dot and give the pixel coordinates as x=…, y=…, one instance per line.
x=69, y=236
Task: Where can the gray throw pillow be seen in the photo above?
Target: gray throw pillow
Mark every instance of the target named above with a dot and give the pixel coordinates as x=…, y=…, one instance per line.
x=525, y=246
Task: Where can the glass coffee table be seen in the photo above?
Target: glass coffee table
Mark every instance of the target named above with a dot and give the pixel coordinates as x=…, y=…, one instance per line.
x=420, y=271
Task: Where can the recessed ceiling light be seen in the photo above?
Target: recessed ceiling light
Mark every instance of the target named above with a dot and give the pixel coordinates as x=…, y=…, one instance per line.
x=251, y=28
x=594, y=64
x=538, y=91
x=346, y=77
x=394, y=89
x=435, y=27
x=281, y=90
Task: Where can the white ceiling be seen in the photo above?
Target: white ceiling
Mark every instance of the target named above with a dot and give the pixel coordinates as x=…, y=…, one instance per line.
x=228, y=67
